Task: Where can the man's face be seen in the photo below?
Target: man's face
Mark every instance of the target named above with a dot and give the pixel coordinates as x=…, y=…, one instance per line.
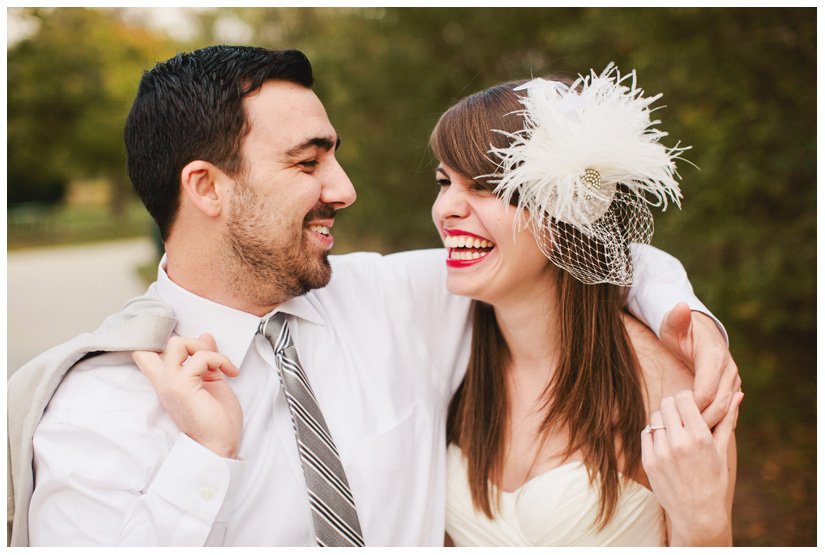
x=284, y=201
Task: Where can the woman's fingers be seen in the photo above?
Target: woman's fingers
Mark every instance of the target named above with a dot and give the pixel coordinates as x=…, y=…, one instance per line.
x=684, y=433
x=671, y=418
x=649, y=455
x=689, y=413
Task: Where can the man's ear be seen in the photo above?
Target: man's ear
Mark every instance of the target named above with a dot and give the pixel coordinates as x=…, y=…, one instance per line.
x=205, y=185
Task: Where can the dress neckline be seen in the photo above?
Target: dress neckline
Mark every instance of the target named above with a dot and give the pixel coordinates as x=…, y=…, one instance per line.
x=537, y=477
x=546, y=473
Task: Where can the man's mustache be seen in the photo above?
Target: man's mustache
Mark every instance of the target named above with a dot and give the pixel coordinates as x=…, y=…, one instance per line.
x=320, y=212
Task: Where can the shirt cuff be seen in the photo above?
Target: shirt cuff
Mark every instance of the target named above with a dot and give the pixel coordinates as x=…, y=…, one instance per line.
x=653, y=313
x=661, y=284
x=198, y=481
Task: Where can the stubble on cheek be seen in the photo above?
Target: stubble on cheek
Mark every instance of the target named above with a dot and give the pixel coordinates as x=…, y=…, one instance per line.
x=271, y=266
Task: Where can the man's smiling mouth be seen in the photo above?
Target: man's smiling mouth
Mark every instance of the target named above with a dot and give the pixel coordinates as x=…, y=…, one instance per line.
x=322, y=229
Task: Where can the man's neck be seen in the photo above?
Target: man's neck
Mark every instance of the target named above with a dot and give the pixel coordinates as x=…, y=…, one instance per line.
x=205, y=275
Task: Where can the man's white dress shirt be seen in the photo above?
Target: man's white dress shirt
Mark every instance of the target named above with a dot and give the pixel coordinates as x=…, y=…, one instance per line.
x=384, y=346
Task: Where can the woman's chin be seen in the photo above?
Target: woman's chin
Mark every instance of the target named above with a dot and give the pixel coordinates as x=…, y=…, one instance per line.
x=461, y=287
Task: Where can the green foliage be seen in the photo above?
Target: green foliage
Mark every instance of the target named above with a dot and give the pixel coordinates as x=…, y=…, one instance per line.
x=70, y=86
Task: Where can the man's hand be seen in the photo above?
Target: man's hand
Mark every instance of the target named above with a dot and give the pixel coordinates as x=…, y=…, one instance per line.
x=695, y=340
x=190, y=380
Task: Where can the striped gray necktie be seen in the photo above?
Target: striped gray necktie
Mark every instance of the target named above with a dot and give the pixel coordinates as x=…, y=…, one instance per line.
x=333, y=508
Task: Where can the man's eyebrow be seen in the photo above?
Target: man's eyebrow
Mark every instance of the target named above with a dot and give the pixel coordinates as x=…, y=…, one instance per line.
x=324, y=143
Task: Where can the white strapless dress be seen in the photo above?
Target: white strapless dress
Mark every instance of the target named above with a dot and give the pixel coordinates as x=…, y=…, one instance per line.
x=557, y=508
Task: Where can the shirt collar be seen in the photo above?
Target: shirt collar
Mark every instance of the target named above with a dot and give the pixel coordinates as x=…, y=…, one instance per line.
x=232, y=329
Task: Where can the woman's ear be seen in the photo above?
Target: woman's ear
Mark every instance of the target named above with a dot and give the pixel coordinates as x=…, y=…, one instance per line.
x=203, y=184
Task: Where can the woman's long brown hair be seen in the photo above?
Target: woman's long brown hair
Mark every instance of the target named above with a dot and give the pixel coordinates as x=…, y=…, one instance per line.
x=595, y=392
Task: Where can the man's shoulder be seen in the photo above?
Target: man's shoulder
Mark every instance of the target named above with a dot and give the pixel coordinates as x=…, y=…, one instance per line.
x=108, y=382
x=144, y=323
x=417, y=256
x=405, y=266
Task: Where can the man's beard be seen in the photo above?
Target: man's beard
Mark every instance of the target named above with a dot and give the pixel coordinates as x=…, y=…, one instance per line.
x=270, y=260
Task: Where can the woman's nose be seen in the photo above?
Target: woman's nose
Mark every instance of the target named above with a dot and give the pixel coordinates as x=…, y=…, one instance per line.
x=450, y=203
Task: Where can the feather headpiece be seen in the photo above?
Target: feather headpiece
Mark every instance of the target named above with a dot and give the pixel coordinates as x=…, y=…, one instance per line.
x=588, y=156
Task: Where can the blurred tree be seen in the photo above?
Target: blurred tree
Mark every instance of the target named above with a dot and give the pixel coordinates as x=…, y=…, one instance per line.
x=70, y=86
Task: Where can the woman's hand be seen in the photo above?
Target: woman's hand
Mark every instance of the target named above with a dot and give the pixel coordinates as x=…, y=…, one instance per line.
x=190, y=380
x=692, y=470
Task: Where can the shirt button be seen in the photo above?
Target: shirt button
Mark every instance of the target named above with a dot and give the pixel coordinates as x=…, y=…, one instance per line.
x=206, y=493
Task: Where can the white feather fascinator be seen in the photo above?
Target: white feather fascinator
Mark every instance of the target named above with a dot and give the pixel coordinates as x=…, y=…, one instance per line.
x=589, y=157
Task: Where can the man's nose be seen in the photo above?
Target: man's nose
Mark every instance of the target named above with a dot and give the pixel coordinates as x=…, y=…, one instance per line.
x=337, y=189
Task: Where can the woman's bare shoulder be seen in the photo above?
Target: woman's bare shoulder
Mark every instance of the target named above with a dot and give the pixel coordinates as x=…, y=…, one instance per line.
x=664, y=375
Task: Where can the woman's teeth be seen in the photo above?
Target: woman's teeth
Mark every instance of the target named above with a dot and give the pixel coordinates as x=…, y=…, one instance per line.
x=467, y=255
x=466, y=241
x=466, y=247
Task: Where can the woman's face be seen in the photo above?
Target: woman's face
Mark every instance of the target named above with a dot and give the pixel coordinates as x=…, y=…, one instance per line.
x=486, y=259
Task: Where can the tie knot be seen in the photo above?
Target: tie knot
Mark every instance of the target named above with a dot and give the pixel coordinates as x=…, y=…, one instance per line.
x=276, y=330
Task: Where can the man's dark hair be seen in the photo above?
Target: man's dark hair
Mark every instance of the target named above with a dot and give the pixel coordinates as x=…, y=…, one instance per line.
x=190, y=107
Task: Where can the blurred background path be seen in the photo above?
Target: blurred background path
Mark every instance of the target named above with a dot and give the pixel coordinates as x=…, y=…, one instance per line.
x=57, y=293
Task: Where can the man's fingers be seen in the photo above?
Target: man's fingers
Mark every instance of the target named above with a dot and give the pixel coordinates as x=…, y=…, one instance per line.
x=178, y=349
x=675, y=331
x=707, y=377
x=187, y=357
x=738, y=388
x=208, y=363
x=209, y=340
x=713, y=391
x=716, y=377
x=722, y=432
x=149, y=363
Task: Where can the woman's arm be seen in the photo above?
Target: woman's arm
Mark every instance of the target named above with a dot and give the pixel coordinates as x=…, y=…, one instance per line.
x=692, y=470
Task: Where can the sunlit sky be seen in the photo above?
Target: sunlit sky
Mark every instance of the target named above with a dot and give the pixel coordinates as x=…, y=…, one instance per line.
x=174, y=21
